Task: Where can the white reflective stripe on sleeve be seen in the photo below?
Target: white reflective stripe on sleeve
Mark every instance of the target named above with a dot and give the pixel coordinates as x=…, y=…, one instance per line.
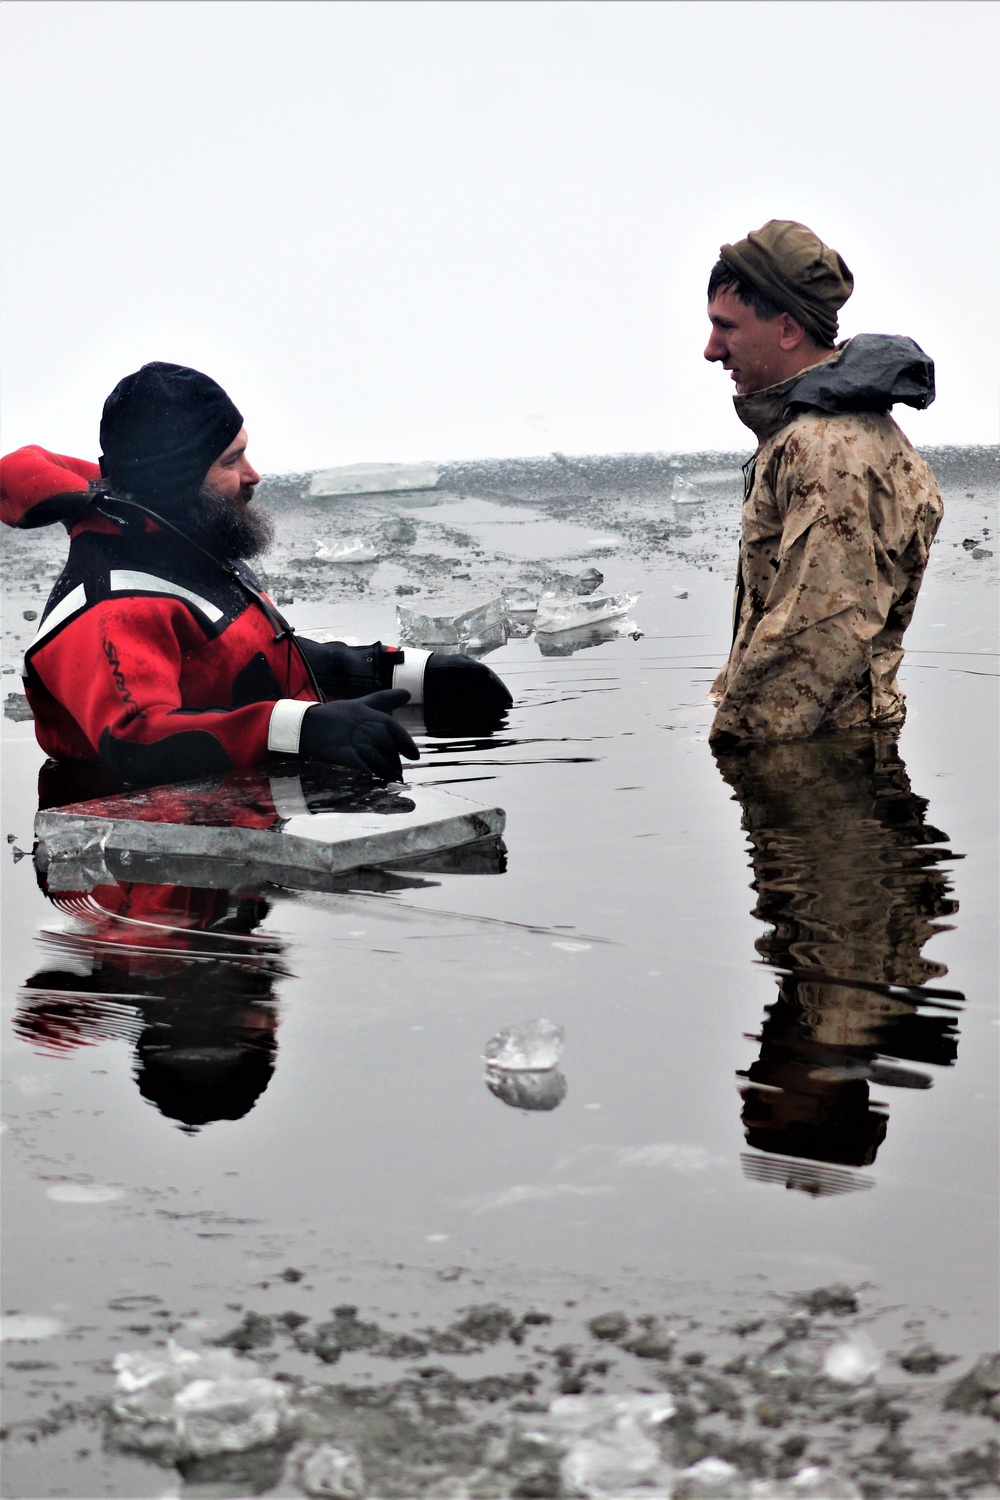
x=286, y=725
x=410, y=673
x=74, y=600
x=124, y=581
x=286, y=794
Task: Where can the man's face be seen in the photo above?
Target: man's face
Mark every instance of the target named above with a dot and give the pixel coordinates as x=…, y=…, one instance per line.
x=232, y=477
x=228, y=527
x=754, y=350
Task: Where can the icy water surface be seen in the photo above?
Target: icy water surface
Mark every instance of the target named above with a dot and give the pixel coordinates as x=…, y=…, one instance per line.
x=775, y=975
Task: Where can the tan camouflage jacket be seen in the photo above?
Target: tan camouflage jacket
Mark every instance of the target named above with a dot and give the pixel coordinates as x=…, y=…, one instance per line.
x=838, y=517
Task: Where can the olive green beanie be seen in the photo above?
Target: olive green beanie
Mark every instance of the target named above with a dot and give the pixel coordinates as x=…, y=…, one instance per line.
x=793, y=267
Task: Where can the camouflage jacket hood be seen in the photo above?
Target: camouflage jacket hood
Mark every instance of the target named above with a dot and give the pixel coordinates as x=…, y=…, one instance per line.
x=871, y=372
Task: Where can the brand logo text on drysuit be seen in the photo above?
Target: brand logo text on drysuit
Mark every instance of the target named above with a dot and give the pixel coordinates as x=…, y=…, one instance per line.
x=132, y=709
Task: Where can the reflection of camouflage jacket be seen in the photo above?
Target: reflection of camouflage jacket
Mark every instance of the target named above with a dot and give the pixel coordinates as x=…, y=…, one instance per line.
x=838, y=518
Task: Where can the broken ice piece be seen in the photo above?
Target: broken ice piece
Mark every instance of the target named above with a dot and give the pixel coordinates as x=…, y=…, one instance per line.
x=351, y=550
x=588, y=581
x=684, y=492
x=521, y=605
x=477, y=622
x=531, y=1047
x=851, y=1361
x=569, y=614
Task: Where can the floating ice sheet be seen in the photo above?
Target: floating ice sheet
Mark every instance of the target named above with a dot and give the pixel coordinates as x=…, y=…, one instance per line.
x=569, y=614
x=287, y=829
x=374, y=479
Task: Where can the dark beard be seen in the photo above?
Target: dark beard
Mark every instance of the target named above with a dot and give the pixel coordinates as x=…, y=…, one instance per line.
x=231, y=529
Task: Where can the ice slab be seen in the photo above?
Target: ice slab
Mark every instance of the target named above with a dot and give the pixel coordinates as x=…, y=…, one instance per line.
x=374, y=479
x=531, y=1046
x=570, y=614
x=475, y=624
x=246, y=828
x=350, y=550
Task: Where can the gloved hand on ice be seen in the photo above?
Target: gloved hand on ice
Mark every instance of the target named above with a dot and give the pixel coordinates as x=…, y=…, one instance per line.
x=360, y=734
x=462, y=693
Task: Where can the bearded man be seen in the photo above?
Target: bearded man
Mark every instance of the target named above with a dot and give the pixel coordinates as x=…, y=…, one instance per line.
x=158, y=655
x=839, y=510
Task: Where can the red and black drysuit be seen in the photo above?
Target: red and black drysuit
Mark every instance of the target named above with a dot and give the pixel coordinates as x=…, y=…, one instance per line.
x=155, y=658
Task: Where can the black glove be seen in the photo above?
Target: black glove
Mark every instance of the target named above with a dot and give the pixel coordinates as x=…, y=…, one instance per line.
x=348, y=671
x=360, y=734
x=462, y=692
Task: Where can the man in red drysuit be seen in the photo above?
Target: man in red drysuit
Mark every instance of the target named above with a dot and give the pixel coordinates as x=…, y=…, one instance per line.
x=158, y=655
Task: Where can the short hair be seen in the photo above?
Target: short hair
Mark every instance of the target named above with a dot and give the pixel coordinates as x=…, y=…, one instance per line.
x=724, y=279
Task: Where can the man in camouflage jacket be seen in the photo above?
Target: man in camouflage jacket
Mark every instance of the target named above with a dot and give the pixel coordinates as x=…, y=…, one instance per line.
x=839, y=510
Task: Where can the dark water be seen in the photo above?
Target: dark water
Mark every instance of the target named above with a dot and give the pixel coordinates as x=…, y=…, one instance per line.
x=776, y=973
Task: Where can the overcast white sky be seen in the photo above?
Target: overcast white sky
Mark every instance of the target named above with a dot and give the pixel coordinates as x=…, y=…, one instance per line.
x=420, y=230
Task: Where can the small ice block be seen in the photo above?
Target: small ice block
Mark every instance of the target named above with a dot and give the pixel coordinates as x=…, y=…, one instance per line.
x=531, y=1047
x=477, y=622
x=350, y=550
x=569, y=614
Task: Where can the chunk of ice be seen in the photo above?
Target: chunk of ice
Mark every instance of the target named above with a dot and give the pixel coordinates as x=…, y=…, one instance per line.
x=374, y=479
x=333, y=1472
x=83, y=1192
x=685, y=493
x=611, y=1442
x=183, y=1403
x=531, y=1047
x=851, y=1361
x=28, y=1327
x=229, y=1416
x=350, y=550
x=521, y=605
x=474, y=623
x=711, y=1478
x=587, y=582
x=569, y=614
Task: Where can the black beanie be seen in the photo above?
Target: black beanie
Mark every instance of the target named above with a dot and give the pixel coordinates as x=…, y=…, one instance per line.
x=162, y=429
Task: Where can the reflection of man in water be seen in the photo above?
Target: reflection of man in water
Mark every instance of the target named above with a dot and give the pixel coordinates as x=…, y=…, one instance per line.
x=839, y=510
x=848, y=875
x=177, y=971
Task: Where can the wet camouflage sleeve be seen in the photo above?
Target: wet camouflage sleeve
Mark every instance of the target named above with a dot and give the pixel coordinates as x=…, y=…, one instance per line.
x=837, y=523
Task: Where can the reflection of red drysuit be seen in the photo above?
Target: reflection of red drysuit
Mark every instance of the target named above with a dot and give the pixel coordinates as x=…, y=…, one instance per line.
x=178, y=971
x=153, y=657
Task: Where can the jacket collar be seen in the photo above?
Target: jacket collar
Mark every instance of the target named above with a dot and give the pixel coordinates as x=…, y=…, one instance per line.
x=765, y=412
